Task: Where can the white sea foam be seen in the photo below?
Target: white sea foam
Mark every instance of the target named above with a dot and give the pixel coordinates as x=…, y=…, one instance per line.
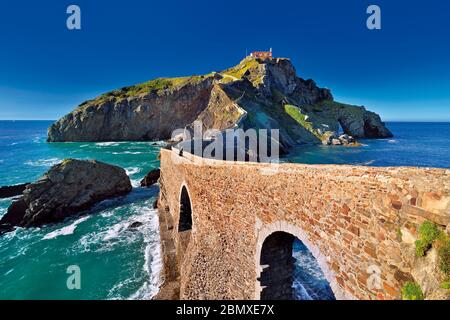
x=115, y=231
x=5, y=200
x=107, y=238
x=8, y=272
x=120, y=233
x=107, y=214
x=38, y=139
x=107, y=144
x=65, y=230
x=300, y=291
x=128, y=152
x=367, y=163
x=152, y=263
x=132, y=170
x=309, y=265
x=135, y=183
x=392, y=141
x=43, y=162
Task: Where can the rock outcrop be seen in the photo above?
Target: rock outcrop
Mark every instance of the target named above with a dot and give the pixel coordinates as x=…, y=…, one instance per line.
x=343, y=139
x=12, y=191
x=67, y=188
x=151, y=178
x=257, y=93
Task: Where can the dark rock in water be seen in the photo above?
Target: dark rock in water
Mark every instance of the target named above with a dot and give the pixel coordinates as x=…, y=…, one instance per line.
x=135, y=225
x=67, y=188
x=155, y=204
x=6, y=228
x=12, y=191
x=151, y=178
x=360, y=123
x=15, y=214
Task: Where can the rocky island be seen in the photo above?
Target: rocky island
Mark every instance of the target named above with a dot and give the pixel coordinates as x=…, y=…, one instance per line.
x=257, y=93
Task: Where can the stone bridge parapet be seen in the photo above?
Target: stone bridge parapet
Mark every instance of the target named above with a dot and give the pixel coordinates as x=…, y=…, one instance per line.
x=359, y=223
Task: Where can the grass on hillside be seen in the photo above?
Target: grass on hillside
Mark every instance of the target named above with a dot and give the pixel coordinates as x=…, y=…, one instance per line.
x=152, y=86
x=239, y=70
x=296, y=114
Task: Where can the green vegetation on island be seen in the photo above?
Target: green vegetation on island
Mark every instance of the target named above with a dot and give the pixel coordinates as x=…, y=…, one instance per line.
x=153, y=86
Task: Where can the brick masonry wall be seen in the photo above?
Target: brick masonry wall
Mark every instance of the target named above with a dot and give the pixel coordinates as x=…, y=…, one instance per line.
x=355, y=220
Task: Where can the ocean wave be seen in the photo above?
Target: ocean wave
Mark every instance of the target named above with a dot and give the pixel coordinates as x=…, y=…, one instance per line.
x=128, y=152
x=107, y=144
x=43, y=162
x=114, y=292
x=115, y=231
x=5, y=200
x=38, y=139
x=152, y=262
x=137, y=194
x=135, y=183
x=107, y=214
x=4, y=204
x=309, y=265
x=8, y=272
x=26, y=237
x=300, y=291
x=366, y=163
x=65, y=230
x=108, y=237
x=132, y=170
x=392, y=141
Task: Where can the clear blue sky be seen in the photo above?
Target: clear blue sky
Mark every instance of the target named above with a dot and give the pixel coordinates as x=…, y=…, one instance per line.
x=401, y=71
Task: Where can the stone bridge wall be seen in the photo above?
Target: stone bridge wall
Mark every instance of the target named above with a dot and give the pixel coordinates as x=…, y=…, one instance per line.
x=355, y=220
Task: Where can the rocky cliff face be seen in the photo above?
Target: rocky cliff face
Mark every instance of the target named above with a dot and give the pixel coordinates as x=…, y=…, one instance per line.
x=67, y=188
x=254, y=94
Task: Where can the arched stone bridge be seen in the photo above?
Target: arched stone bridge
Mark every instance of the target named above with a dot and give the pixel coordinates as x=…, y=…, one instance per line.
x=217, y=217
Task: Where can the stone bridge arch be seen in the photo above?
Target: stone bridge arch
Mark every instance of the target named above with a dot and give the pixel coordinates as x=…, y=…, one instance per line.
x=185, y=221
x=296, y=232
x=351, y=218
x=185, y=215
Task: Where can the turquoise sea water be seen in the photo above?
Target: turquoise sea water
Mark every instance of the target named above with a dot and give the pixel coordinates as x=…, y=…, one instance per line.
x=117, y=262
